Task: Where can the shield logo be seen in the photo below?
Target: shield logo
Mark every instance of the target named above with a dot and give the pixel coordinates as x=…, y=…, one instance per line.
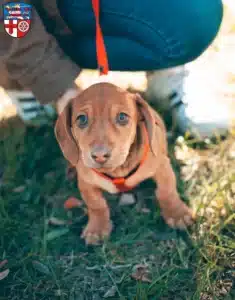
x=17, y=18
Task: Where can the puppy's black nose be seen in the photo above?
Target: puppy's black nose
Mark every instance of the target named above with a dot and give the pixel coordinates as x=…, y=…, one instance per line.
x=100, y=154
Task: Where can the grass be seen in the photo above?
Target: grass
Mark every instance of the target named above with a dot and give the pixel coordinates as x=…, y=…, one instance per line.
x=144, y=259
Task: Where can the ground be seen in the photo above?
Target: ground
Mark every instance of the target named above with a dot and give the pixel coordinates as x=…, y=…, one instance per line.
x=43, y=257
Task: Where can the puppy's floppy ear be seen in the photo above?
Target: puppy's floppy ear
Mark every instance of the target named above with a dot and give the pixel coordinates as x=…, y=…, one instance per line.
x=64, y=135
x=154, y=125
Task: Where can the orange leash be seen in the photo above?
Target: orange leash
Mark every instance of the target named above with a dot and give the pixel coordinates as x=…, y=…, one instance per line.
x=102, y=58
x=103, y=66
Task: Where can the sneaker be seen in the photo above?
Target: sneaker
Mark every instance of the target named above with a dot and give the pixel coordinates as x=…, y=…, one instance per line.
x=31, y=112
x=192, y=105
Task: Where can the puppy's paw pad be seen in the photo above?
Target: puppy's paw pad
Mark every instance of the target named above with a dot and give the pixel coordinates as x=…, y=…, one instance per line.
x=92, y=239
x=93, y=235
x=180, y=218
x=189, y=219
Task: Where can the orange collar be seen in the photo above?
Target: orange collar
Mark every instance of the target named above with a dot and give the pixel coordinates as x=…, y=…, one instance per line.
x=120, y=182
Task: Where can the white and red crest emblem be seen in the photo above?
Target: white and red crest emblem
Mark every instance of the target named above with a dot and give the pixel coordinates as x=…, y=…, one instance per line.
x=17, y=18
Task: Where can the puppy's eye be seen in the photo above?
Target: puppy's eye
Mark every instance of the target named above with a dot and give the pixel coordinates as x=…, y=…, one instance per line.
x=82, y=121
x=122, y=118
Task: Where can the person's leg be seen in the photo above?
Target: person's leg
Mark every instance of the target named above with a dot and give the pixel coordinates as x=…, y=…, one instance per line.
x=28, y=108
x=142, y=35
x=151, y=35
x=190, y=101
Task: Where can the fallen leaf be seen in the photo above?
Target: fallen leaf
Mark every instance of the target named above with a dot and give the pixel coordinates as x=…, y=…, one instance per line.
x=71, y=172
x=57, y=222
x=56, y=233
x=40, y=267
x=140, y=272
x=72, y=202
x=19, y=189
x=126, y=199
x=2, y=263
x=111, y=292
x=4, y=274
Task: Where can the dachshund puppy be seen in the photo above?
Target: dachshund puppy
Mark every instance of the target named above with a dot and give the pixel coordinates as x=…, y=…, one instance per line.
x=116, y=140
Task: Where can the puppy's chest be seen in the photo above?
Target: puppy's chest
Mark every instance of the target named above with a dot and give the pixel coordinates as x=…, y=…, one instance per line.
x=108, y=186
x=118, y=185
x=113, y=185
x=116, y=181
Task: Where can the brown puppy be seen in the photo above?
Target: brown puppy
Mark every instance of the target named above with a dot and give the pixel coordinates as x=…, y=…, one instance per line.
x=116, y=140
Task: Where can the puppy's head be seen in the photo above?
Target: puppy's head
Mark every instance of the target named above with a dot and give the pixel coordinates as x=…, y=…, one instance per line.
x=99, y=126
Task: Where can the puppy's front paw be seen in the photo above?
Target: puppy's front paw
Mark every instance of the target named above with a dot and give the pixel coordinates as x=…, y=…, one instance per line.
x=177, y=214
x=95, y=233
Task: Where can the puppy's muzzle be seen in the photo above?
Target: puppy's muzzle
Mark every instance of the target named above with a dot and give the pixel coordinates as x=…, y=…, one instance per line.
x=100, y=154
